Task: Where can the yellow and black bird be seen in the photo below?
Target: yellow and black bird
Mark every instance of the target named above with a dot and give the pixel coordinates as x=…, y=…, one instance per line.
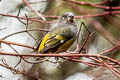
x=61, y=37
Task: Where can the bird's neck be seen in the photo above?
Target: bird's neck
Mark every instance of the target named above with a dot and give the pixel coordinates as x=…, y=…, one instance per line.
x=66, y=23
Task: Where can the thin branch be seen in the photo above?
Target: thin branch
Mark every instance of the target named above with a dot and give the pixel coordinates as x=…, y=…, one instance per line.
x=109, y=50
x=3, y=28
x=81, y=61
x=25, y=31
x=87, y=38
x=14, y=43
x=56, y=17
x=31, y=19
x=62, y=55
x=38, y=14
x=33, y=2
x=19, y=18
x=114, y=71
x=78, y=34
x=27, y=28
x=93, y=5
x=36, y=62
x=98, y=3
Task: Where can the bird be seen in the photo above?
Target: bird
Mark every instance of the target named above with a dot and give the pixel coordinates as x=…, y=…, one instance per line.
x=61, y=37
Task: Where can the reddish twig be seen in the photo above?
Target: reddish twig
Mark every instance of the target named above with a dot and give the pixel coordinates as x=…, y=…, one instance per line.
x=81, y=61
x=63, y=55
x=56, y=17
x=86, y=40
x=38, y=14
x=93, y=5
x=110, y=50
x=14, y=43
x=104, y=1
x=74, y=54
x=114, y=71
x=31, y=19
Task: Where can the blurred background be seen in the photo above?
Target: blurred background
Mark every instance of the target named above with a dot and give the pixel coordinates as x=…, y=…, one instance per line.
x=106, y=34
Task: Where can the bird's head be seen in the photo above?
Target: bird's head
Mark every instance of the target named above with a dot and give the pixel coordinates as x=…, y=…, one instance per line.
x=67, y=17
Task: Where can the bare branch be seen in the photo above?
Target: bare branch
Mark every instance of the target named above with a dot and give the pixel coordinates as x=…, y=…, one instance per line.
x=38, y=14
x=14, y=43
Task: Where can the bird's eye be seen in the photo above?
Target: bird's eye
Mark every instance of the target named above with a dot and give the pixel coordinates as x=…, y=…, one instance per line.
x=64, y=17
x=71, y=17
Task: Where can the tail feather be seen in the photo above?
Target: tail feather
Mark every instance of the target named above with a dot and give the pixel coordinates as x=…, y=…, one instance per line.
x=34, y=66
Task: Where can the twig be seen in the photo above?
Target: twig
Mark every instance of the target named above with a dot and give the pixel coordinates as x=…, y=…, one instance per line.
x=56, y=17
x=31, y=19
x=98, y=3
x=35, y=62
x=93, y=5
x=14, y=43
x=17, y=53
x=78, y=34
x=19, y=18
x=32, y=2
x=3, y=28
x=87, y=38
x=25, y=31
x=117, y=73
x=38, y=14
x=27, y=28
x=109, y=50
x=84, y=62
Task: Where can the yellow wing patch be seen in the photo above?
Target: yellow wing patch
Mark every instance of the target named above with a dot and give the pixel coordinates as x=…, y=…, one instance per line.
x=43, y=42
x=59, y=37
x=50, y=40
x=65, y=46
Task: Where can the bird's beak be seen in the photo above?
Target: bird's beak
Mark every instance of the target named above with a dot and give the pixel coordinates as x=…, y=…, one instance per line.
x=71, y=19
